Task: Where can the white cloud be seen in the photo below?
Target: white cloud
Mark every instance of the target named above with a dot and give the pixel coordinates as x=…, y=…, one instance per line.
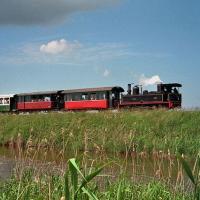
x=59, y=46
x=106, y=73
x=65, y=52
x=145, y=81
x=68, y=53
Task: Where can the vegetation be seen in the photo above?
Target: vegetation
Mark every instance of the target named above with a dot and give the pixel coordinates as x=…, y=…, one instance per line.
x=28, y=184
x=121, y=190
x=147, y=131
x=194, y=175
x=159, y=132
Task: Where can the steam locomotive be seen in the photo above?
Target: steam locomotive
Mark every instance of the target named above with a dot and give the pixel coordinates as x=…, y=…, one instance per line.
x=167, y=96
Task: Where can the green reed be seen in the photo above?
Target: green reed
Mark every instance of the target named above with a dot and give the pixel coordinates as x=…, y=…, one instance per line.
x=194, y=175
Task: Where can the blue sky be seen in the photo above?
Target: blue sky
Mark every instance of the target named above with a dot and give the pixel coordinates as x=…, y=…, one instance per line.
x=87, y=43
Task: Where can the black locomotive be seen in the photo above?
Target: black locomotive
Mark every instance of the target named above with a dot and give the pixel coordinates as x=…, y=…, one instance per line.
x=167, y=95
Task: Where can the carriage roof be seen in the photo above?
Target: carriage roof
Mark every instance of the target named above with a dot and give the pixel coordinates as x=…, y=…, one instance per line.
x=99, y=89
x=39, y=93
x=6, y=95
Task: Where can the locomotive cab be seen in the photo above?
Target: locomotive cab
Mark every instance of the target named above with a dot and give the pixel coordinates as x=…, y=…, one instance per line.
x=169, y=88
x=171, y=93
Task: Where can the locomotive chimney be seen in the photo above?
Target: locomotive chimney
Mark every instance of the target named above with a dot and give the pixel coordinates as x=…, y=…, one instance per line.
x=129, y=89
x=159, y=87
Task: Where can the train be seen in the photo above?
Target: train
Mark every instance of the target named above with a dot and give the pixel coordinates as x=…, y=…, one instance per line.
x=100, y=98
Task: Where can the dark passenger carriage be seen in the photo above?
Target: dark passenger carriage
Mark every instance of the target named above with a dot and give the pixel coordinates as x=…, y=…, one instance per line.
x=167, y=95
x=39, y=101
x=92, y=98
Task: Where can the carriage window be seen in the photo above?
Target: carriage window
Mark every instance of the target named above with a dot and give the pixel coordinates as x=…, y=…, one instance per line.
x=46, y=98
x=68, y=97
x=42, y=98
x=6, y=101
x=84, y=97
x=21, y=99
x=101, y=95
x=1, y=100
x=34, y=99
x=37, y=98
x=27, y=98
x=93, y=96
x=76, y=97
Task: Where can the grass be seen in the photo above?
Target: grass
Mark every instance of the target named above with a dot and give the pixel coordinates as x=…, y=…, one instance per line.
x=28, y=184
x=193, y=174
x=141, y=131
x=52, y=188
x=85, y=180
x=159, y=132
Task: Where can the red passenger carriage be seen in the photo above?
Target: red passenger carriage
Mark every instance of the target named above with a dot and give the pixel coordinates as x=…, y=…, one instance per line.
x=38, y=101
x=92, y=98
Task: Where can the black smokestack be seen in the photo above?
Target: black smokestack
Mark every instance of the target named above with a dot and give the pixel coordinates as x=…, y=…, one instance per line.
x=129, y=89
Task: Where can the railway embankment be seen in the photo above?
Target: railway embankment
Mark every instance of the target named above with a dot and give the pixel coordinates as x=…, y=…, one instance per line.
x=145, y=131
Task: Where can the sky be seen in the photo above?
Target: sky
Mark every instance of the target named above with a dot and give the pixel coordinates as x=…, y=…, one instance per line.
x=64, y=44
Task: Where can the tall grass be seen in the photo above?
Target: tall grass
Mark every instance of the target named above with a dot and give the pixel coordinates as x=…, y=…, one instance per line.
x=35, y=179
x=49, y=187
x=130, y=135
x=148, y=131
x=194, y=175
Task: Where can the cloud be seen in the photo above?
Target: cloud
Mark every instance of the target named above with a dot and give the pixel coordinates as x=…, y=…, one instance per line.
x=68, y=53
x=145, y=81
x=59, y=46
x=64, y=52
x=27, y=12
x=106, y=73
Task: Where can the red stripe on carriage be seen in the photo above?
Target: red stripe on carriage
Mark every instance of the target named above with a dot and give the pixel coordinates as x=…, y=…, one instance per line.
x=41, y=105
x=86, y=104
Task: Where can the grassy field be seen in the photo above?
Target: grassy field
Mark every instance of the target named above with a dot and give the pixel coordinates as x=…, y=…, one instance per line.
x=154, y=130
